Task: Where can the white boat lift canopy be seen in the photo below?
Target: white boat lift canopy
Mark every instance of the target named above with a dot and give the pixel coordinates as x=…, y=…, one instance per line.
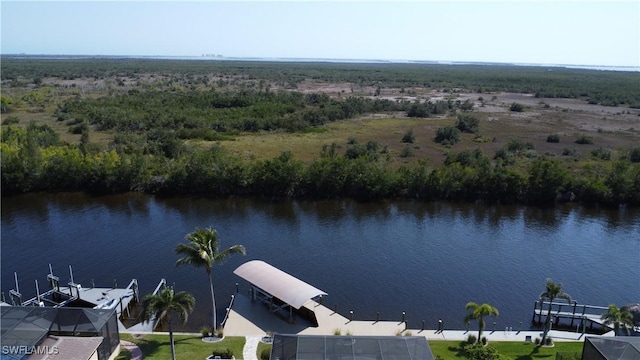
x=278, y=283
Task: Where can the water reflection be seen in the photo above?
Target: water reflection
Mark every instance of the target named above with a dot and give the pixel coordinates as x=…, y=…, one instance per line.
x=425, y=258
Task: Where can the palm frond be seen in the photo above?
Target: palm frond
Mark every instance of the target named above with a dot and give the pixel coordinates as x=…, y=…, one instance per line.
x=161, y=304
x=223, y=255
x=554, y=291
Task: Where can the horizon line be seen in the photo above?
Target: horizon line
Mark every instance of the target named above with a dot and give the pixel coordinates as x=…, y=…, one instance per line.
x=212, y=56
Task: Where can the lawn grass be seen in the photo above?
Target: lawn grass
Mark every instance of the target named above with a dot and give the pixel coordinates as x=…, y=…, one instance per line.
x=124, y=354
x=157, y=346
x=446, y=350
x=262, y=346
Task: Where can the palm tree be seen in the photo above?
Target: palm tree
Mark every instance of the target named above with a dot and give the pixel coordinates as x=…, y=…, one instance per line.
x=616, y=317
x=478, y=312
x=552, y=291
x=203, y=250
x=161, y=305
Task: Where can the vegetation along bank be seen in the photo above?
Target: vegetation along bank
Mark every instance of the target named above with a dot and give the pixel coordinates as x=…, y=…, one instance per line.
x=321, y=130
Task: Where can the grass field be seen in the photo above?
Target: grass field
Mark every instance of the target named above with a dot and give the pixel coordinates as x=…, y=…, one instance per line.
x=157, y=346
x=447, y=350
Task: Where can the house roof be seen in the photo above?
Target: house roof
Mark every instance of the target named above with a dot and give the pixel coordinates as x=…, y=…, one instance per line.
x=619, y=347
x=67, y=347
x=278, y=283
x=350, y=347
x=27, y=326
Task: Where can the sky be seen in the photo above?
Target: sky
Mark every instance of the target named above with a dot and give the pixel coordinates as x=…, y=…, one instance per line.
x=601, y=32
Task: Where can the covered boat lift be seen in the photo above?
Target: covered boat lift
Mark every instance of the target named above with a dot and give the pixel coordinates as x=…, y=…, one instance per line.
x=279, y=290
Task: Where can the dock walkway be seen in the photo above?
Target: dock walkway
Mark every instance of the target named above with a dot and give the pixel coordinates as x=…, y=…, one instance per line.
x=247, y=318
x=253, y=319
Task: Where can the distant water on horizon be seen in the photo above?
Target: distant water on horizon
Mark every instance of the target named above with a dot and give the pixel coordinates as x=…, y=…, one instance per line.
x=208, y=57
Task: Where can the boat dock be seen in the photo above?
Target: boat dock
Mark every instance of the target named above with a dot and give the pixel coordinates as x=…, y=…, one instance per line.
x=253, y=319
x=247, y=318
x=75, y=295
x=258, y=314
x=580, y=315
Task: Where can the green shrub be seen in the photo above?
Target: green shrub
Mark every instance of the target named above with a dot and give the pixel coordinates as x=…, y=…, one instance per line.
x=265, y=353
x=601, y=153
x=467, y=123
x=471, y=339
x=584, y=140
x=223, y=353
x=219, y=332
x=516, y=146
x=553, y=138
x=355, y=151
x=11, y=120
x=516, y=107
x=205, y=331
x=480, y=352
x=634, y=154
x=406, y=152
x=408, y=137
x=506, y=156
x=448, y=135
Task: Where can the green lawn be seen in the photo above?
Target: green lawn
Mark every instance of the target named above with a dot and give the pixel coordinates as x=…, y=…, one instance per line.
x=156, y=346
x=510, y=349
x=263, y=347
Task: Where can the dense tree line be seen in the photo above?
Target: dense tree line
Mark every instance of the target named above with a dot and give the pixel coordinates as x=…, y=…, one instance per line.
x=599, y=87
x=35, y=159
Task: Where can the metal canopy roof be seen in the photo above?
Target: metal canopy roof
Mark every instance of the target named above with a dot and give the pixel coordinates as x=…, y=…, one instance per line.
x=278, y=283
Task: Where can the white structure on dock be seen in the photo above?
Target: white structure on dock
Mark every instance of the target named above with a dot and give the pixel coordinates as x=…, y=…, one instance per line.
x=279, y=290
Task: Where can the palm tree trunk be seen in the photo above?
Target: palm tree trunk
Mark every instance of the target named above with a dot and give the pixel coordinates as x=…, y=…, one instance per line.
x=547, y=325
x=480, y=328
x=213, y=304
x=173, y=346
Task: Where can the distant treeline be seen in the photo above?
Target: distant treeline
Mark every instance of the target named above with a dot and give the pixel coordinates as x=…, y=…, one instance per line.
x=598, y=87
x=34, y=159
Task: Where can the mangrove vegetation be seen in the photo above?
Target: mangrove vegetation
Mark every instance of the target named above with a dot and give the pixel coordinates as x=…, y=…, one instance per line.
x=165, y=127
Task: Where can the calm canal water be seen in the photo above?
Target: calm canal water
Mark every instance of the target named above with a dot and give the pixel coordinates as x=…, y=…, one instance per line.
x=427, y=259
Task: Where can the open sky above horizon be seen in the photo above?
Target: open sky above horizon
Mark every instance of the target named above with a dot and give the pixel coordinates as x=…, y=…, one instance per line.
x=542, y=32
